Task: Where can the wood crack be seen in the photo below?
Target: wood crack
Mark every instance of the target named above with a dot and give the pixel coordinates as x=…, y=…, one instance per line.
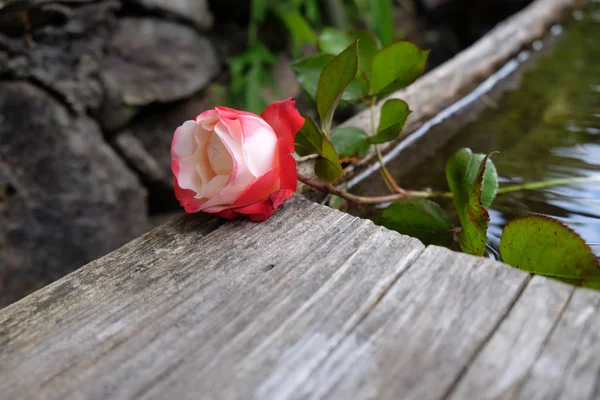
x=347, y=330
x=546, y=340
x=484, y=342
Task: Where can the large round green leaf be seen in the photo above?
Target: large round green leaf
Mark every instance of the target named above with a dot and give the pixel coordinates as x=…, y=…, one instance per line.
x=396, y=66
x=542, y=245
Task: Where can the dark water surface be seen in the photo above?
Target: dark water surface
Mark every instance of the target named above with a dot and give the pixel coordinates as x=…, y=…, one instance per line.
x=545, y=122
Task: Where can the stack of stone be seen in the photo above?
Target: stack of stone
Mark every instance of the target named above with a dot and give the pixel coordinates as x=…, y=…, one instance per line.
x=90, y=93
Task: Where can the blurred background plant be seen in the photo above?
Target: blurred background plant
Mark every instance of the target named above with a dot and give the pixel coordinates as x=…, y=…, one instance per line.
x=308, y=25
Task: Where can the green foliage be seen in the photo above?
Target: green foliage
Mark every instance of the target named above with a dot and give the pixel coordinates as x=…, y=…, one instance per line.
x=311, y=140
x=333, y=41
x=311, y=9
x=396, y=66
x=473, y=180
x=382, y=20
x=350, y=142
x=367, y=48
x=300, y=31
x=394, y=113
x=334, y=80
x=544, y=246
x=258, y=10
x=249, y=75
x=308, y=70
x=420, y=218
x=337, y=202
x=461, y=170
x=250, y=71
x=345, y=71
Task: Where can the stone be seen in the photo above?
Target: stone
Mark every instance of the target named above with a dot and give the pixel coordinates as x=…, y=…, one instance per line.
x=196, y=11
x=150, y=60
x=58, y=47
x=65, y=196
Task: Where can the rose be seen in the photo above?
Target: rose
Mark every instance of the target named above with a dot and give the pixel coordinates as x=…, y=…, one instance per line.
x=231, y=163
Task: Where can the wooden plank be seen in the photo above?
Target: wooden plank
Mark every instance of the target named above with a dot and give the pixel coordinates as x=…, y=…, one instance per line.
x=422, y=334
x=569, y=366
x=505, y=361
x=176, y=312
x=443, y=86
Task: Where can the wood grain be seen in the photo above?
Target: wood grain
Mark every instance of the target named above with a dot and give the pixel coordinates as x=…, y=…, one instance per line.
x=175, y=312
x=506, y=360
x=311, y=304
x=423, y=333
x=569, y=365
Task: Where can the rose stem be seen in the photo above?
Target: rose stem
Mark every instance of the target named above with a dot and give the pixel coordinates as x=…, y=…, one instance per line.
x=330, y=189
x=387, y=177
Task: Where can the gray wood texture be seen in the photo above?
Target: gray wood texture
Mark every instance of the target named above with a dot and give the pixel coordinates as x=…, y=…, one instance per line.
x=311, y=304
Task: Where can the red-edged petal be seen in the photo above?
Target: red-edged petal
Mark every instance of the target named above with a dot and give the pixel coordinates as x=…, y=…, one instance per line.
x=260, y=189
x=175, y=166
x=264, y=209
x=258, y=211
x=186, y=198
x=280, y=196
x=230, y=113
x=262, y=216
x=285, y=121
x=256, y=208
x=288, y=175
x=228, y=214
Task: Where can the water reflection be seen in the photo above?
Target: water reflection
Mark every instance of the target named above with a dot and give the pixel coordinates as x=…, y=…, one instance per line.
x=549, y=128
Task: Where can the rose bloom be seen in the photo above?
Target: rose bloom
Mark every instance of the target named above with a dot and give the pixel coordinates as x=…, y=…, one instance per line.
x=232, y=163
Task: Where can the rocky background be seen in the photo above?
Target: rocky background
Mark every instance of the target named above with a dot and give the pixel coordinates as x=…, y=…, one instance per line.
x=90, y=93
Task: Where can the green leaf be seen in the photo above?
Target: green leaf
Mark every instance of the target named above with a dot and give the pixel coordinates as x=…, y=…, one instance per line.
x=311, y=140
x=367, y=48
x=357, y=89
x=308, y=70
x=334, y=79
x=544, y=246
x=328, y=170
x=463, y=166
x=394, y=113
x=420, y=218
x=337, y=202
x=350, y=141
x=333, y=41
x=472, y=179
x=396, y=66
x=382, y=20
x=472, y=238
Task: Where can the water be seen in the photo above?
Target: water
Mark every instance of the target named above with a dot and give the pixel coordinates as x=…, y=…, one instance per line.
x=544, y=119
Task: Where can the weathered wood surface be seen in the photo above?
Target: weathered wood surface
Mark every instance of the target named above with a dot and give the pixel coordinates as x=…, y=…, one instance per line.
x=312, y=303
x=452, y=80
